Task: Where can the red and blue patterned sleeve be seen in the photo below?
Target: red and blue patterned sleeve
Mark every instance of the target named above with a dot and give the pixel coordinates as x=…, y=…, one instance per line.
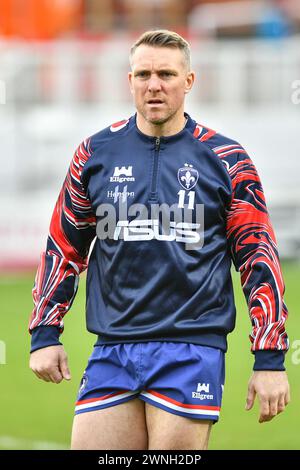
x=254, y=252
x=72, y=229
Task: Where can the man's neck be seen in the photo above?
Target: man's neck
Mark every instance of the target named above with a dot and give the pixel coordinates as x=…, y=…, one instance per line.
x=168, y=128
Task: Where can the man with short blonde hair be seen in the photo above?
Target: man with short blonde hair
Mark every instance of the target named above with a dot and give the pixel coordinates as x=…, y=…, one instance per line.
x=171, y=204
x=163, y=38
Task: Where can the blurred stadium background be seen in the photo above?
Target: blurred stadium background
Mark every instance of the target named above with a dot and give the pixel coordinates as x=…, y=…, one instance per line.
x=63, y=76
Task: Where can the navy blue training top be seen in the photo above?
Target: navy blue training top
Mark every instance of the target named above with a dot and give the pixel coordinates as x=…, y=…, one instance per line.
x=168, y=216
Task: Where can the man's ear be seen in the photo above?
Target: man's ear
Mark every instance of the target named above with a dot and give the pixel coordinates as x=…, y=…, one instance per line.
x=189, y=82
x=130, y=81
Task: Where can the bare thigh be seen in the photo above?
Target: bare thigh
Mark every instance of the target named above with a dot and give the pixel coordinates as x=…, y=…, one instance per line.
x=168, y=431
x=117, y=427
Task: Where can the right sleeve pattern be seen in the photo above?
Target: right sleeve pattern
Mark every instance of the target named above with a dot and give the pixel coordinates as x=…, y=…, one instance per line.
x=72, y=229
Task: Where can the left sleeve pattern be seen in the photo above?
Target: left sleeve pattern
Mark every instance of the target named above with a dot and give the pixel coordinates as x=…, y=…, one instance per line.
x=254, y=251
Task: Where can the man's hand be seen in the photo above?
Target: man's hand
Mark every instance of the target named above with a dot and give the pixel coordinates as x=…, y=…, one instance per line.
x=50, y=364
x=273, y=391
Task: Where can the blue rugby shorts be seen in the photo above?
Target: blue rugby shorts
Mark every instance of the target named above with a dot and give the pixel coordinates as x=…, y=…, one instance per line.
x=182, y=378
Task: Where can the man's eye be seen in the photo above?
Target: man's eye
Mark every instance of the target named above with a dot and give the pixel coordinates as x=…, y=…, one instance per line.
x=166, y=74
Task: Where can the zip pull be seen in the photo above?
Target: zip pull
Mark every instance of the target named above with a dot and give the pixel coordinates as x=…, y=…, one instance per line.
x=157, y=143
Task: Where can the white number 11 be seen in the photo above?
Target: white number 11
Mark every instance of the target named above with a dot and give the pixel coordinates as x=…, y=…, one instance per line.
x=191, y=197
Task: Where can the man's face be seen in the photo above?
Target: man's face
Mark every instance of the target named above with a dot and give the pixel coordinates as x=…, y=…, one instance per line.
x=159, y=81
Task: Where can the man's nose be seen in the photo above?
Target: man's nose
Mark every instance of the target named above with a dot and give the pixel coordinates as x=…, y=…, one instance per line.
x=154, y=83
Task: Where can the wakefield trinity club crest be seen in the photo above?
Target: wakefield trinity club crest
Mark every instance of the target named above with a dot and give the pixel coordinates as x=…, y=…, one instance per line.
x=187, y=176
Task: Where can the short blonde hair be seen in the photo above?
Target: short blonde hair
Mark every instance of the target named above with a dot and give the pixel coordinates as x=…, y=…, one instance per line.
x=163, y=38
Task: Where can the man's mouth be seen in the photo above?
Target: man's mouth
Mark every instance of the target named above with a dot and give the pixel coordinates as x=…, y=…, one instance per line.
x=155, y=101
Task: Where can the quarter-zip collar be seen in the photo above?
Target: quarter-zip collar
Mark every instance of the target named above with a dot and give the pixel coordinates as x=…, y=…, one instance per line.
x=189, y=126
